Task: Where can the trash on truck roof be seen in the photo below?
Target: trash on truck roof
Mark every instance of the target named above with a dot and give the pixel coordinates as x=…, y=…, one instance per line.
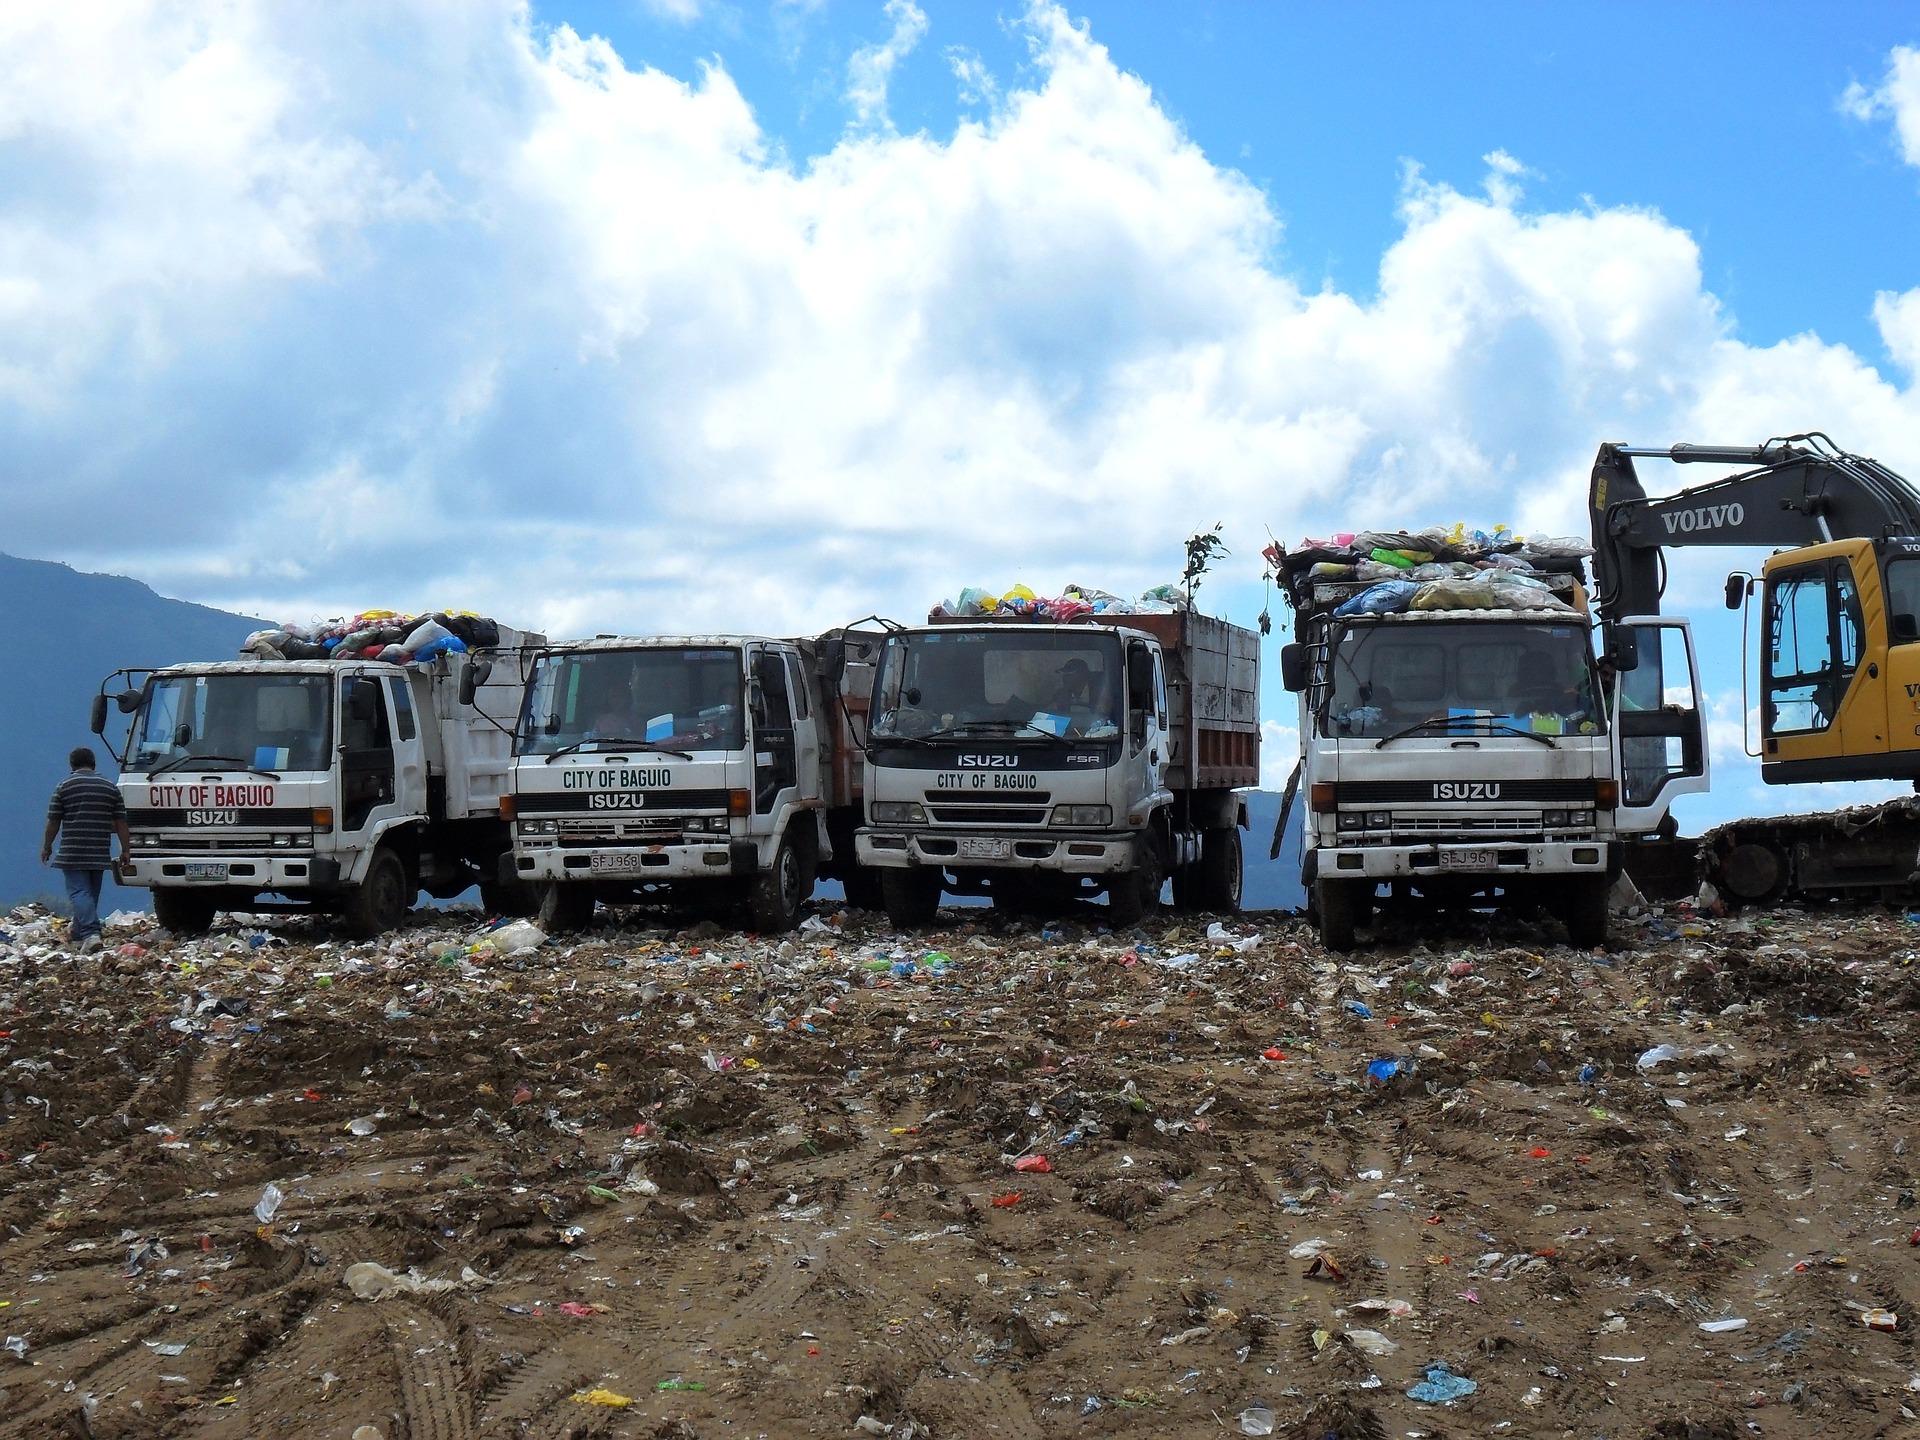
x=1071, y=604
x=1441, y=568
x=376, y=635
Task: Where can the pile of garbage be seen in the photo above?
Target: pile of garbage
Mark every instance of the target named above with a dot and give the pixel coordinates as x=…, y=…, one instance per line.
x=1069, y=605
x=376, y=635
x=1378, y=572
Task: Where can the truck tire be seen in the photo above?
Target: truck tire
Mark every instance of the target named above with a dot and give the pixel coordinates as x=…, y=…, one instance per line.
x=1135, y=895
x=513, y=900
x=774, y=896
x=565, y=906
x=863, y=888
x=911, y=897
x=381, y=901
x=1586, y=911
x=184, y=912
x=1339, y=903
x=1220, y=871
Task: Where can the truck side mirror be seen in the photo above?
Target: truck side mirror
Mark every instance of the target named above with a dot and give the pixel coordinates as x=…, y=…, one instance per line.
x=99, y=718
x=472, y=678
x=128, y=701
x=1737, y=584
x=1293, y=667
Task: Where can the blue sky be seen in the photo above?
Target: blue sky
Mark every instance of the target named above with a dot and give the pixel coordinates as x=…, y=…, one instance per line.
x=687, y=315
x=1721, y=117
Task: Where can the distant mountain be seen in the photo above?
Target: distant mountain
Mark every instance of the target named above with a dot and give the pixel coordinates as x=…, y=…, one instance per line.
x=1270, y=884
x=66, y=631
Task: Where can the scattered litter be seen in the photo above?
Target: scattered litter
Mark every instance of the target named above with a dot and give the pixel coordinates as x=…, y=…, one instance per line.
x=1441, y=1387
x=370, y=1281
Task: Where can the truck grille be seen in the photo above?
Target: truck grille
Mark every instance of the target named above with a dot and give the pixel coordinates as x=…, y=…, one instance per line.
x=988, y=814
x=1445, y=792
x=198, y=841
x=1467, y=824
x=653, y=829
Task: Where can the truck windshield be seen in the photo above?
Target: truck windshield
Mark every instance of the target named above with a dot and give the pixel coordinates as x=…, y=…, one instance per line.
x=1067, y=685
x=1536, y=677
x=678, y=698
x=266, y=721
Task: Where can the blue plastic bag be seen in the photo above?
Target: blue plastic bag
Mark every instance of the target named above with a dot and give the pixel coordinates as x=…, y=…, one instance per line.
x=1389, y=597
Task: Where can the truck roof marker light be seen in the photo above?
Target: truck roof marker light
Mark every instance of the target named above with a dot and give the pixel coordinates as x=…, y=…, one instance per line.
x=1320, y=796
x=739, y=802
x=1606, y=793
x=323, y=817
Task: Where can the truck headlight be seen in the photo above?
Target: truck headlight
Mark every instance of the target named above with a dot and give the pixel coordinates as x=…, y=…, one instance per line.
x=896, y=812
x=1554, y=819
x=1352, y=820
x=1082, y=815
x=1580, y=818
x=703, y=824
x=146, y=842
x=539, y=827
x=1379, y=819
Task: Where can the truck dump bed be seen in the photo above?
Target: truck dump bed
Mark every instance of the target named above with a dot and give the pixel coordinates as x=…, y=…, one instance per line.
x=1213, y=691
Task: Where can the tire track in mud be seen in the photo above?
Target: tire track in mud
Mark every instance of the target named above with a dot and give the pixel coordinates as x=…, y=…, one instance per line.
x=434, y=1390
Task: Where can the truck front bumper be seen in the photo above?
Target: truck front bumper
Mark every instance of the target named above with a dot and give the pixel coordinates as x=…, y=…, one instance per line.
x=1446, y=859
x=282, y=874
x=1068, y=854
x=637, y=864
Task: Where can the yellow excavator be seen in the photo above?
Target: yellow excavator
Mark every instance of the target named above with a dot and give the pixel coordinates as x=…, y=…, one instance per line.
x=1839, y=672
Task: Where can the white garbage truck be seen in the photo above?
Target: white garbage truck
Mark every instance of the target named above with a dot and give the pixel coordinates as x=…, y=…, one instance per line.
x=1038, y=763
x=717, y=771
x=1472, y=752
x=346, y=786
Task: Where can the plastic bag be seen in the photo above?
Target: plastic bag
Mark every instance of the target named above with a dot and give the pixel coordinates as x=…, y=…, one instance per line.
x=1389, y=597
x=447, y=645
x=974, y=601
x=1564, y=547
x=422, y=633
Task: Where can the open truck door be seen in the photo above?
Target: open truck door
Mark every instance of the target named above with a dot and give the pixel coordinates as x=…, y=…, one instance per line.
x=1658, y=723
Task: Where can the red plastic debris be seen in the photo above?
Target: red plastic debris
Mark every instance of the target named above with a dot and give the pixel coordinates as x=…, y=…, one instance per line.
x=1033, y=1165
x=1006, y=1202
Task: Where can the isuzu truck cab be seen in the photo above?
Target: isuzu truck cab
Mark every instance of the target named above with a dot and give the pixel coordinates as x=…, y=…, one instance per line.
x=711, y=770
x=1039, y=763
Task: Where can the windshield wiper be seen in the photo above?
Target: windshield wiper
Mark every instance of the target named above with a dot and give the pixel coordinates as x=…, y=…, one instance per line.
x=1448, y=722
x=619, y=742
x=187, y=762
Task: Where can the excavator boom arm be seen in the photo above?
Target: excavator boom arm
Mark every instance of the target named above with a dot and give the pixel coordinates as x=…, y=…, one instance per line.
x=1802, y=490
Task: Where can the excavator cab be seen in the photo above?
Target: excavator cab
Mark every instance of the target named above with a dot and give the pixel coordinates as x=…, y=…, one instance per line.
x=1840, y=662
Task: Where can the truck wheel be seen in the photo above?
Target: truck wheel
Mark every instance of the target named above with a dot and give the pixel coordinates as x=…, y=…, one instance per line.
x=1135, y=895
x=1220, y=871
x=773, y=898
x=513, y=900
x=911, y=897
x=565, y=906
x=1586, y=911
x=381, y=901
x=183, y=911
x=1339, y=903
x=863, y=888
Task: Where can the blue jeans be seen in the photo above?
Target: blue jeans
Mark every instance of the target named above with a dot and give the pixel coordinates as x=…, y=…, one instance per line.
x=83, y=890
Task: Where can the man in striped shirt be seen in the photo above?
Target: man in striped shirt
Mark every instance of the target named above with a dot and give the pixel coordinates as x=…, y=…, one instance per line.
x=86, y=813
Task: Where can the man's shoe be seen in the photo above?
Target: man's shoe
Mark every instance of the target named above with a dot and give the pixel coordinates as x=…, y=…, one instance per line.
x=90, y=944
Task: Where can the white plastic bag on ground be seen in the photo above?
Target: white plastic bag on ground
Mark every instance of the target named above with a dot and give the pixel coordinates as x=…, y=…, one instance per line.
x=516, y=938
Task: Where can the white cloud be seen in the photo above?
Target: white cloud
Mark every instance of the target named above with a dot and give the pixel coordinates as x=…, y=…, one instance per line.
x=1896, y=97
x=420, y=305
x=870, y=68
x=681, y=12
x=977, y=85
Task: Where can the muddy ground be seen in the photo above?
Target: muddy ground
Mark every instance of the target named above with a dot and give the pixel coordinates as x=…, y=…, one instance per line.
x=773, y=1189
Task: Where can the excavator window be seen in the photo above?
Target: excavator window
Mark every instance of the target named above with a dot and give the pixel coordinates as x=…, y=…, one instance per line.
x=1814, y=640
x=1903, y=600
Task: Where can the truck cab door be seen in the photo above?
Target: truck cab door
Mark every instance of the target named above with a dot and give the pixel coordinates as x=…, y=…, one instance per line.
x=775, y=767
x=1146, y=711
x=367, y=761
x=806, y=731
x=409, y=753
x=1659, y=731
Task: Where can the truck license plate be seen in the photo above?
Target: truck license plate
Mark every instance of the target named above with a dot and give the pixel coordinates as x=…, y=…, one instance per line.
x=615, y=863
x=1466, y=860
x=206, y=870
x=985, y=849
